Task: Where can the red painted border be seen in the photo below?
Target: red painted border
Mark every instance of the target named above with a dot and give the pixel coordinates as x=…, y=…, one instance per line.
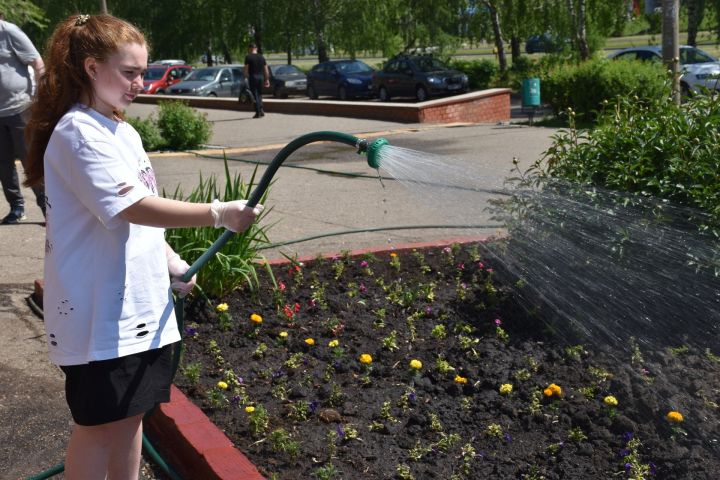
x=198, y=449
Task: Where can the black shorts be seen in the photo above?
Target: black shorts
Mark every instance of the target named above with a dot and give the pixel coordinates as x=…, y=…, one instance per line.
x=109, y=390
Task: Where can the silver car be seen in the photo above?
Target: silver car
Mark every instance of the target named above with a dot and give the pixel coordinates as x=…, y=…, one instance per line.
x=220, y=81
x=698, y=69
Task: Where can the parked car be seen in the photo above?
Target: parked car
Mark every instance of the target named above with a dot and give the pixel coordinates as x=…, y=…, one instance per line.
x=419, y=76
x=544, y=43
x=286, y=80
x=340, y=78
x=159, y=77
x=698, y=69
x=221, y=81
x=168, y=62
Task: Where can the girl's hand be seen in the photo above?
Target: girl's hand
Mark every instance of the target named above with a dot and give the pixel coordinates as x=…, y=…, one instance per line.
x=177, y=268
x=236, y=216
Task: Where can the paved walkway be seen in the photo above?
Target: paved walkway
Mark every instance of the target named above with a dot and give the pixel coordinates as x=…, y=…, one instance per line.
x=34, y=421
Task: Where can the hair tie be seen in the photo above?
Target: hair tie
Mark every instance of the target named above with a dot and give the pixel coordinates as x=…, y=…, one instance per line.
x=81, y=20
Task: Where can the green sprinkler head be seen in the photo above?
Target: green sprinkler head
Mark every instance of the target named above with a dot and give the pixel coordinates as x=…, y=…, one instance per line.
x=373, y=152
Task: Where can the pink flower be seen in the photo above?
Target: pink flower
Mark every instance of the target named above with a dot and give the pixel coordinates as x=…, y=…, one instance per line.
x=461, y=266
x=498, y=322
x=489, y=270
x=311, y=302
x=364, y=264
x=481, y=265
x=362, y=288
x=281, y=286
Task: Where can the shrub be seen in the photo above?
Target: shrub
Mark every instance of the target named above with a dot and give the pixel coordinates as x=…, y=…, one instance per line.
x=234, y=265
x=480, y=72
x=652, y=148
x=181, y=126
x=585, y=87
x=149, y=133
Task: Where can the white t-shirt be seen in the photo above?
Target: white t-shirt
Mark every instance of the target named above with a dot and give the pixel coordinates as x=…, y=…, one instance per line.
x=107, y=289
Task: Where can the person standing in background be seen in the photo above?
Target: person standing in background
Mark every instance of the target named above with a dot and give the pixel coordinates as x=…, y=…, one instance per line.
x=257, y=75
x=16, y=53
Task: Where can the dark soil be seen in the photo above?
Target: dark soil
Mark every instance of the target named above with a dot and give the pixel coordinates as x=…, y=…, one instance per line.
x=329, y=416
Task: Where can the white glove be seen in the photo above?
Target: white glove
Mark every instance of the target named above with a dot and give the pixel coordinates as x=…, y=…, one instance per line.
x=177, y=268
x=234, y=215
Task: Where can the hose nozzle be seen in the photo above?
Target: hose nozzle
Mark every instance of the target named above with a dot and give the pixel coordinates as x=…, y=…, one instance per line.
x=373, y=152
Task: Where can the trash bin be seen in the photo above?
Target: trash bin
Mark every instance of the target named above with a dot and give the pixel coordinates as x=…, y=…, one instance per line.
x=531, y=92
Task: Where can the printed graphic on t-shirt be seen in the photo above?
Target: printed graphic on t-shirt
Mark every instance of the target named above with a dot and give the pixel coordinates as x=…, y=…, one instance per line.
x=147, y=177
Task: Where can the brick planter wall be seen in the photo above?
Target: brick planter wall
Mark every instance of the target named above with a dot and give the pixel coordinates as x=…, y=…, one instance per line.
x=484, y=106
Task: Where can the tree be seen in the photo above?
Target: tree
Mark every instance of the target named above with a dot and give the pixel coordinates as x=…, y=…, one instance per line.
x=497, y=33
x=696, y=12
x=23, y=13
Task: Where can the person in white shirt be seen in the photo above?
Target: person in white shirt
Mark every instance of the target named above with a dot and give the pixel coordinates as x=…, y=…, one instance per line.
x=108, y=304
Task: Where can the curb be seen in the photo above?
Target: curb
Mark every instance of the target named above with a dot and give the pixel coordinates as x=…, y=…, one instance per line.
x=194, y=446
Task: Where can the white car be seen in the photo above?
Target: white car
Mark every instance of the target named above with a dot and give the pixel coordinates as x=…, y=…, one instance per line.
x=699, y=69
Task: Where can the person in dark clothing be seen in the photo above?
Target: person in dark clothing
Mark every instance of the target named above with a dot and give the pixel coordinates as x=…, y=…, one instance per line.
x=257, y=75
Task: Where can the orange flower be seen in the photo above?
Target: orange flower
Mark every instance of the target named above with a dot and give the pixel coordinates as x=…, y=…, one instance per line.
x=674, y=417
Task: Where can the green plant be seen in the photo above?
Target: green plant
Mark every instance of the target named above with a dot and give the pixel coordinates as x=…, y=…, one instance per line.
x=326, y=472
x=192, y=372
x=235, y=264
x=494, y=430
x=577, y=435
x=439, y=332
x=390, y=342
x=259, y=421
x=481, y=73
x=586, y=87
x=149, y=133
x=181, y=126
x=403, y=472
x=281, y=441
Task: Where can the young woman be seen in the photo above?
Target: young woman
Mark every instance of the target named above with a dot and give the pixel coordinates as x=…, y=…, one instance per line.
x=108, y=305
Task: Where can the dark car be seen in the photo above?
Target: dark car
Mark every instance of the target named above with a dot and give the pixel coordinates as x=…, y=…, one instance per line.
x=222, y=81
x=340, y=78
x=158, y=77
x=286, y=80
x=544, y=43
x=419, y=76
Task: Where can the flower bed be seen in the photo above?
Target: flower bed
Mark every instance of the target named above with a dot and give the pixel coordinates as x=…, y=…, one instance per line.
x=419, y=364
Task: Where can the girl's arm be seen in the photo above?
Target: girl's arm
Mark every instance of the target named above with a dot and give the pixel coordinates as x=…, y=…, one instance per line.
x=166, y=213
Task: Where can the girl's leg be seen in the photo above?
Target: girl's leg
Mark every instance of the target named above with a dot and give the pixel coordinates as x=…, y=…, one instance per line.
x=111, y=451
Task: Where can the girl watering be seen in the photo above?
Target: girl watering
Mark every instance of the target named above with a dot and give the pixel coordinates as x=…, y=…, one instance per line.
x=108, y=271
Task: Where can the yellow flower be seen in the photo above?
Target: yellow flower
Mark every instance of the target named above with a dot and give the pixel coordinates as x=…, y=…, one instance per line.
x=255, y=318
x=547, y=392
x=283, y=334
x=310, y=341
x=675, y=417
x=249, y=409
x=333, y=343
x=222, y=385
x=610, y=401
x=460, y=380
x=415, y=364
x=555, y=389
x=366, y=358
x=393, y=254
x=506, y=389
x=223, y=307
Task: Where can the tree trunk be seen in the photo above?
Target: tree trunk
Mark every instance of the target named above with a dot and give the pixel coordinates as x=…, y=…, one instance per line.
x=515, y=48
x=288, y=40
x=670, y=44
x=497, y=33
x=582, y=32
x=696, y=12
x=319, y=15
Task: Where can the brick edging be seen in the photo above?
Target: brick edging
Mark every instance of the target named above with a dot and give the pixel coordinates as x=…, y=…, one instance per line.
x=194, y=446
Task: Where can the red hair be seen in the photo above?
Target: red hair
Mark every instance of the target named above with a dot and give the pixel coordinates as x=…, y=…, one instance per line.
x=75, y=39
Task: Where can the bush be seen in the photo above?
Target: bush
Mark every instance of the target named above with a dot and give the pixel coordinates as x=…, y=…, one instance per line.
x=234, y=265
x=481, y=73
x=149, y=133
x=653, y=149
x=586, y=87
x=182, y=127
